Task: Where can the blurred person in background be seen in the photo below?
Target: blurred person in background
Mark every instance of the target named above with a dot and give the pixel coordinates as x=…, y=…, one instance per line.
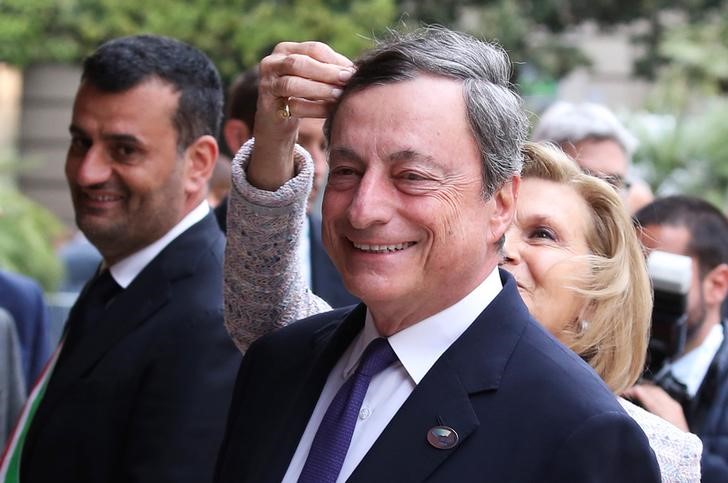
x=316, y=267
x=689, y=226
x=22, y=297
x=593, y=136
x=219, y=184
x=12, y=382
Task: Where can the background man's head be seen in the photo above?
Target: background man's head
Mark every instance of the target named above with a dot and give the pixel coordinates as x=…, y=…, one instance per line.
x=143, y=146
x=240, y=123
x=425, y=142
x=690, y=226
x=592, y=135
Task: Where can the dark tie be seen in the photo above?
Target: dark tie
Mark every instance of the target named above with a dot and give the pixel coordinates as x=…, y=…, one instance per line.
x=333, y=437
x=88, y=309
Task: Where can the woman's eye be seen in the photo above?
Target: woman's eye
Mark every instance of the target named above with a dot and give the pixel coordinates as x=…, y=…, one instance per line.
x=543, y=233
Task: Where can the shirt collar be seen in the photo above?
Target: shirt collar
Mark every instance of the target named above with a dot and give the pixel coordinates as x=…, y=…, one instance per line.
x=420, y=345
x=126, y=270
x=691, y=368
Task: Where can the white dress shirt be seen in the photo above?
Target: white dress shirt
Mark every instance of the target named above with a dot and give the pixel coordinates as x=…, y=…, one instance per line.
x=127, y=269
x=418, y=347
x=304, y=253
x=691, y=368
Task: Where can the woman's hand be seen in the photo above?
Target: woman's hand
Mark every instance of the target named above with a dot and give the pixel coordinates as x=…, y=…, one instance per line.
x=301, y=79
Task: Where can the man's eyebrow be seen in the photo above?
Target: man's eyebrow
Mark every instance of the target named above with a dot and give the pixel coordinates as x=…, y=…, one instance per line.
x=345, y=153
x=404, y=155
x=123, y=138
x=116, y=137
x=411, y=155
x=76, y=131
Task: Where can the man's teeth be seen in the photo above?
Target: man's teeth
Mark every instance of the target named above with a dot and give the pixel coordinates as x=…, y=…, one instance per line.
x=383, y=248
x=103, y=198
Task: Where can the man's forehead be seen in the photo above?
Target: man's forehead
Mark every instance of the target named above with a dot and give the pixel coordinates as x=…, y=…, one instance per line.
x=668, y=238
x=603, y=156
x=148, y=104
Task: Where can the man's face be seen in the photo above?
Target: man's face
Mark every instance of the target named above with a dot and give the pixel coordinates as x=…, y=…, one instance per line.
x=603, y=158
x=675, y=239
x=311, y=138
x=123, y=168
x=404, y=217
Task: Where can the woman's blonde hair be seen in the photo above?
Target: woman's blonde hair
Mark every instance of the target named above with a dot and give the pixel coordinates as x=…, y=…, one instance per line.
x=613, y=339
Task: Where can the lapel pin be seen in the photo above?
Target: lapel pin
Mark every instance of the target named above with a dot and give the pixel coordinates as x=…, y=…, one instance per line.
x=442, y=437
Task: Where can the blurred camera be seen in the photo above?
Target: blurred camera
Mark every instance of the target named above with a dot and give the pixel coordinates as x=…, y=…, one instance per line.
x=670, y=275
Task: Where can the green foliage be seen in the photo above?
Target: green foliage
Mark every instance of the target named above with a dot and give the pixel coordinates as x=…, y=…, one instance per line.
x=686, y=152
x=555, y=16
x=234, y=33
x=697, y=54
x=27, y=232
x=684, y=145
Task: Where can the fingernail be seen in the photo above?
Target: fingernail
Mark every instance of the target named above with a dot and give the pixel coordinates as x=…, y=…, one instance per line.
x=336, y=92
x=345, y=75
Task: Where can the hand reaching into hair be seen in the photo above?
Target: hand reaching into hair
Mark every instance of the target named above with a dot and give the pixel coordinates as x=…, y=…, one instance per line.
x=297, y=80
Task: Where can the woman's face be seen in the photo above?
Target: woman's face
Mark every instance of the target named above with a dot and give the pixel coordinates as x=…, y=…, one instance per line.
x=543, y=248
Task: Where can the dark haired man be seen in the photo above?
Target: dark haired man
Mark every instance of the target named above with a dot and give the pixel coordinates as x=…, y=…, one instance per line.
x=690, y=226
x=141, y=387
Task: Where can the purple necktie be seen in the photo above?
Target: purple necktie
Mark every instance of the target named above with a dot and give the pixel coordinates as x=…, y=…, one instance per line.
x=333, y=437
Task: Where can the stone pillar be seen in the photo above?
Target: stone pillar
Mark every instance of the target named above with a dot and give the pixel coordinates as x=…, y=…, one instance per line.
x=47, y=102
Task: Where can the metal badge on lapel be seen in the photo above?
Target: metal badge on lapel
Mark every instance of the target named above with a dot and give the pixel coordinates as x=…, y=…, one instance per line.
x=442, y=437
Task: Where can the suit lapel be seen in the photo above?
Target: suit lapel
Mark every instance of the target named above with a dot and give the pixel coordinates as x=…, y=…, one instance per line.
x=130, y=308
x=328, y=344
x=149, y=292
x=471, y=368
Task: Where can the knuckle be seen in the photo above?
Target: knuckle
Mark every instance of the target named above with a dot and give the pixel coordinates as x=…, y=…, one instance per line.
x=316, y=49
x=283, y=47
x=291, y=62
x=282, y=86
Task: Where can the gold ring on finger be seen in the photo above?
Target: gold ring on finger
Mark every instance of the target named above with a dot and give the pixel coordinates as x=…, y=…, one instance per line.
x=284, y=110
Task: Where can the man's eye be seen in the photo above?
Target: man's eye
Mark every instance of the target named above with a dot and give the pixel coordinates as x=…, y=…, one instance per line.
x=123, y=151
x=412, y=176
x=79, y=144
x=342, y=171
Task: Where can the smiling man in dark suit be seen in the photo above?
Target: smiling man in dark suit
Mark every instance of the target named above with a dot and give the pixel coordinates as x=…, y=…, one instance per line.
x=141, y=388
x=441, y=374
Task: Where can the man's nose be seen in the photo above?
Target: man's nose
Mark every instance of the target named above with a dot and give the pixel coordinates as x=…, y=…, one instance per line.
x=372, y=202
x=93, y=168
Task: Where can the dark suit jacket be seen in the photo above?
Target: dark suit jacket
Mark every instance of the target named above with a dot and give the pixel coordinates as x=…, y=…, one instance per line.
x=707, y=416
x=143, y=396
x=326, y=281
x=526, y=409
x=23, y=298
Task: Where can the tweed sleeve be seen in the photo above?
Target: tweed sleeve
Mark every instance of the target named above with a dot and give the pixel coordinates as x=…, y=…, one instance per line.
x=263, y=286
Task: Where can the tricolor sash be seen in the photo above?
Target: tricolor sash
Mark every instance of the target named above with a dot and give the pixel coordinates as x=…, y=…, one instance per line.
x=10, y=461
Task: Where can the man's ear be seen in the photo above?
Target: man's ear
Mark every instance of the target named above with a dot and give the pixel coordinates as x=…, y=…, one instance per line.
x=200, y=158
x=236, y=132
x=504, y=208
x=715, y=285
